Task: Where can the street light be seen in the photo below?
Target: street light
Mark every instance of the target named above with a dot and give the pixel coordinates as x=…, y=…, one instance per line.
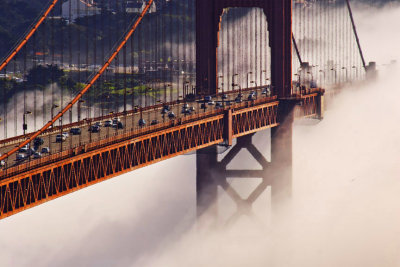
x=24, y=125
x=263, y=71
x=256, y=87
x=79, y=108
x=344, y=68
x=221, y=77
x=52, y=111
x=321, y=71
x=233, y=81
x=335, y=74
x=248, y=78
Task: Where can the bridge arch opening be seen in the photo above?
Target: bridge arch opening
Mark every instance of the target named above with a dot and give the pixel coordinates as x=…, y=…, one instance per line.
x=208, y=22
x=243, y=54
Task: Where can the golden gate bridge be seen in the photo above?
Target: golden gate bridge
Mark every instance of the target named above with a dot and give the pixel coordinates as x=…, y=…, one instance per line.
x=125, y=84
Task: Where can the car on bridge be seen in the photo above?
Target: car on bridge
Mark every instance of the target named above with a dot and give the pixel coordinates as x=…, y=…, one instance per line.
x=37, y=155
x=38, y=141
x=45, y=150
x=2, y=163
x=118, y=125
x=171, y=115
x=142, y=122
x=75, y=131
x=24, y=149
x=108, y=123
x=207, y=98
x=21, y=157
x=186, y=111
x=154, y=122
x=94, y=129
x=60, y=138
x=251, y=96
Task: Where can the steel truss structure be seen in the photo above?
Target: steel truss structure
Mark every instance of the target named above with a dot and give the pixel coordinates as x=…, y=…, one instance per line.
x=45, y=183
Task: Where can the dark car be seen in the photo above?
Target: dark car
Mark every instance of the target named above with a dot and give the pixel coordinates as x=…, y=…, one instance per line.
x=94, y=129
x=118, y=125
x=38, y=141
x=171, y=115
x=77, y=131
x=142, y=122
x=154, y=122
x=203, y=106
x=166, y=107
x=108, y=123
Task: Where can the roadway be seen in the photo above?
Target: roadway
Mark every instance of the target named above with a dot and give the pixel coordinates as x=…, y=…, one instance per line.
x=130, y=122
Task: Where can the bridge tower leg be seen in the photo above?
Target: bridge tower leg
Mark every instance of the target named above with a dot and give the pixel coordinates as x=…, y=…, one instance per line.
x=277, y=174
x=208, y=20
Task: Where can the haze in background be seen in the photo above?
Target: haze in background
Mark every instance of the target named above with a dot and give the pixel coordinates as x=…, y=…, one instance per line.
x=345, y=209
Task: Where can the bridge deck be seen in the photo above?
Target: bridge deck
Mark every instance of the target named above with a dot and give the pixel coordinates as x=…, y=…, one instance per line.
x=35, y=182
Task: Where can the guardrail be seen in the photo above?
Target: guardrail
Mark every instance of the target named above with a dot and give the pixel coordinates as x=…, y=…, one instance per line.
x=86, y=122
x=119, y=137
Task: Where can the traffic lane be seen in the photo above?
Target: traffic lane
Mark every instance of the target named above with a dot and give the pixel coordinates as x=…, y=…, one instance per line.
x=129, y=121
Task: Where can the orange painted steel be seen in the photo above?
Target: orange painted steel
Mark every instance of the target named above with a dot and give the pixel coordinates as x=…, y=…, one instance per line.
x=29, y=35
x=88, y=85
x=50, y=181
x=308, y=106
x=254, y=119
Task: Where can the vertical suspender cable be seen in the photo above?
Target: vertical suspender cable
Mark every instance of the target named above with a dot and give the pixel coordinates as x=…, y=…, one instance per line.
x=88, y=85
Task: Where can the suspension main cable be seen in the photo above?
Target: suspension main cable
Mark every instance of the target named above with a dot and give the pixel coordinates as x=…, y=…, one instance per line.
x=88, y=85
x=28, y=35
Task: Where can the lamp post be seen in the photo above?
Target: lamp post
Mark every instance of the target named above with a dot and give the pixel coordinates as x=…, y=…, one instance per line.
x=221, y=77
x=233, y=81
x=25, y=125
x=344, y=68
x=332, y=69
x=79, y=108
x=166, y=88
x=248, y=78
x=256, y=87
x=52, y=111
x=321, y=71
x=263, y=71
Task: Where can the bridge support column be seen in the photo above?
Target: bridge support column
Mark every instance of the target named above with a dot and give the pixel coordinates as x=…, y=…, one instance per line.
x=279, y=15
x=207, y=28
x=320, y=106
x=207, y=173
x=213, y=174
x=228, y=127
x=281, y=156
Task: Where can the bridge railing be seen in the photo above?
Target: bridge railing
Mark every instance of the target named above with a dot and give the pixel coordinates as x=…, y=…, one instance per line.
x=128, y=134
x=86, y=122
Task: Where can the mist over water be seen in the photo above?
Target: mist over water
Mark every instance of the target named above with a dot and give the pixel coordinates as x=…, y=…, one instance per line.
x=344, y=211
